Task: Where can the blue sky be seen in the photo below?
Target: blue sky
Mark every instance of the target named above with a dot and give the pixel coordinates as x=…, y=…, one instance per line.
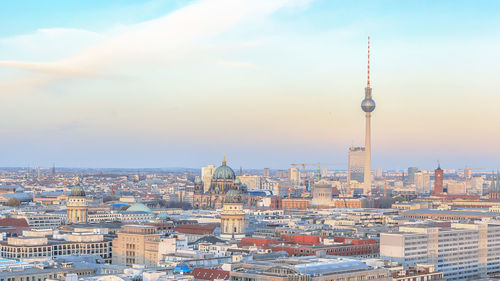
x=268, y=83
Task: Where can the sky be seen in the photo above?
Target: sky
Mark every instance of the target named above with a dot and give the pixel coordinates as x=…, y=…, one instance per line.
x=177, y=83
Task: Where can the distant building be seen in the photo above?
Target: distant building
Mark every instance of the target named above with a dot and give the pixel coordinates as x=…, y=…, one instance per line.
x=454, y=187
x=266, y=172
x=421, y=180
x=294, y=176
x=323, y=195
x=223, y=180
x=494, y=192
x=411, y=175
x=252, y=182
x=438, y=181
x=206, y=176
x=77, y=208
x=356, y=164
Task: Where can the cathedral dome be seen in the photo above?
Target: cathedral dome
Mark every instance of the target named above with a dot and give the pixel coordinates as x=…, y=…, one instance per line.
x=224, y=172
x=233, y=196
x=77, y=191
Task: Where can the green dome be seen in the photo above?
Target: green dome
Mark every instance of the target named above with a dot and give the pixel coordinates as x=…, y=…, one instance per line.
x=232, y=196
x=224, y=172
x=139, y=208
x=77, y=191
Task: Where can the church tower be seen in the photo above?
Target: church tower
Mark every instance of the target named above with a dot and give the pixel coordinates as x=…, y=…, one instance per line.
x=77, y=206
x=232, y=219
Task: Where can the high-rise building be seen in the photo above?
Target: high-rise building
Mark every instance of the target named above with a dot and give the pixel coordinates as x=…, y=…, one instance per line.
x=206, y=176
x=467, y=173
x=266, y=172
x=411, y=175
x=294, y=174
x=368, y=105
x=438, y=181
x=356, y=164
x=422, y=181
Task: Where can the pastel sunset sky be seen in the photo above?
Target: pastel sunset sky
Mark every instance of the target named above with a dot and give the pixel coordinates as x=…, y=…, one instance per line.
x=165, y=83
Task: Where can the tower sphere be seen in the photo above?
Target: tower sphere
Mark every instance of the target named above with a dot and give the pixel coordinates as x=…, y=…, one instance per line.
x=368, y=105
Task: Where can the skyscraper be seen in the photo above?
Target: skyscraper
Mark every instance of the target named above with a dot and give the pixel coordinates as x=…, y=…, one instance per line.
x=368, y=105
x=356, y=162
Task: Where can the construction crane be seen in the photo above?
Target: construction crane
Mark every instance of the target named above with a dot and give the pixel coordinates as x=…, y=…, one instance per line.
x=465, y=177
x=304, y=165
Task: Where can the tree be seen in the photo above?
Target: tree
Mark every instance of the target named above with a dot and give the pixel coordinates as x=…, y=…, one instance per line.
x=13, y=202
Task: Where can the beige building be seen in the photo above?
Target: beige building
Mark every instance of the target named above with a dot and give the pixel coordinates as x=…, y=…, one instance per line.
x=77, y=209
x=33, y=247
x=232, y=219
x=206, y=176
x=136, y=244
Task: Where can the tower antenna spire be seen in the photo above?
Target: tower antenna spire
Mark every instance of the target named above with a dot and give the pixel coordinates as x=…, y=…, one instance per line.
x=368, y=80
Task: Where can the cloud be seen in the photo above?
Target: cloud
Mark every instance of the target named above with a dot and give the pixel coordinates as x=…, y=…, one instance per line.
x=160, y=39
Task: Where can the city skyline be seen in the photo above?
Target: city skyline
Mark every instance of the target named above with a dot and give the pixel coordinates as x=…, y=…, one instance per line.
x=181, y=83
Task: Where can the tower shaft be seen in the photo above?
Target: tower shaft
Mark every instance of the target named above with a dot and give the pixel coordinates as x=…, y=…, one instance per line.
x=368, y=158
x=368, y=105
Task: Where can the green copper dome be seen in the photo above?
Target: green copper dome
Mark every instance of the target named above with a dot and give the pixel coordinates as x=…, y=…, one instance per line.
x=139, y=208
x=224, y=172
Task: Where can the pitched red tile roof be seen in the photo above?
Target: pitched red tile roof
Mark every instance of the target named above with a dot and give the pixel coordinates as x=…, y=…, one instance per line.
x=200, y=273
x=14, y=222
x=200, y=229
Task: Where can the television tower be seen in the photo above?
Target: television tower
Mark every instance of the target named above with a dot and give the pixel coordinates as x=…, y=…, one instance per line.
x=368, y=105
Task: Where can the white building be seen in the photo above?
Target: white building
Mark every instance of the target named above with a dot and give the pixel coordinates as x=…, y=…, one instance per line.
x=206, y=176
x=461, y=252
x=422, y=181
x=252, y=182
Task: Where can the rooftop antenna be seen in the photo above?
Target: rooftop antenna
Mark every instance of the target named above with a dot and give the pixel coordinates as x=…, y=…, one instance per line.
x=368, y=80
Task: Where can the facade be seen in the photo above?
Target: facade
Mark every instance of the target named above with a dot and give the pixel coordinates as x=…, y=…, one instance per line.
x=461, y=252
x=411, y=175
x=422, y=181
x=41, y=221
x=136, y=244
x=314, y=270
x=294, y=175
x=494, y=192
x=232, y=219
x=206, y=176
x=223, y=180
x=323, y=195
x=438, y=182
x=356, y=164
x=252, y=182
x=43, y=247
x=77, y=209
